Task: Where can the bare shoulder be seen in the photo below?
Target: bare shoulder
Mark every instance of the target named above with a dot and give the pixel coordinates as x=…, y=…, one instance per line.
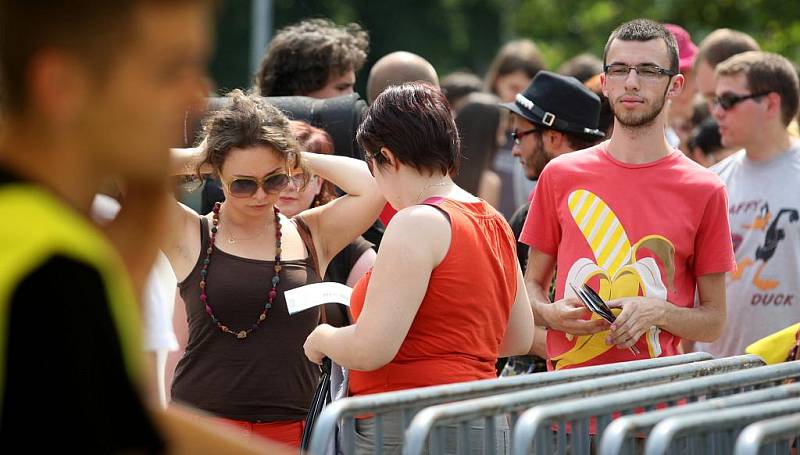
x=184, y=247
x=425, y=227
x=419, y=235
x=185, y=230
x=290, y=228
x=419, y=217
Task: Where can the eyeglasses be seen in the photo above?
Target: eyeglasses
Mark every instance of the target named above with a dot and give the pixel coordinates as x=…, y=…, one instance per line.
x=728, y=100
x=517, y=136
x=247, y=186
x=645, y=71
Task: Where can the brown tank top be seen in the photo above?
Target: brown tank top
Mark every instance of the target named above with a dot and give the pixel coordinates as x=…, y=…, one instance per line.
x=265, y=377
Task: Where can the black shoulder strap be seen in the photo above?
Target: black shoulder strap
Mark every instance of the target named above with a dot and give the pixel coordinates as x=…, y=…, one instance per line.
x=308, y=241
x=205, y=238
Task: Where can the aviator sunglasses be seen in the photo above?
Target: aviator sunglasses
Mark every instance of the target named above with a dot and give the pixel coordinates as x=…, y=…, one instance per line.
x=273, y=183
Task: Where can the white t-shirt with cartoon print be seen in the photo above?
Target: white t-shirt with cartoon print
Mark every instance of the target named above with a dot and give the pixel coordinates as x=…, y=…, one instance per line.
x=763, y=294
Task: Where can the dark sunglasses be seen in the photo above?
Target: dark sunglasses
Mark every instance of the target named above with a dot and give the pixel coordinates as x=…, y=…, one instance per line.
x=247, y=186
x=728, y=100
x=517, y=136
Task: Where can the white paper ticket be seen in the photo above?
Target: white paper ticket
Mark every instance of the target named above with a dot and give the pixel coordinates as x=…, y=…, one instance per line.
x=311, y=295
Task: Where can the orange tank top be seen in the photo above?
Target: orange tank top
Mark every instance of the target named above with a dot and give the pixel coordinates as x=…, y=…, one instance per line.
x=457, y=331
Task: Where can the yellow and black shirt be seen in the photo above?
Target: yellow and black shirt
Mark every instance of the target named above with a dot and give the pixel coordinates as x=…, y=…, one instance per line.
x=66, y=370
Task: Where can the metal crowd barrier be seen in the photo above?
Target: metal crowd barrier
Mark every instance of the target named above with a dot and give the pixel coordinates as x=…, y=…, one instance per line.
x=776, y=434
x=619, y=436
x=486, y=408
x=408, y=402
x=713, y=433
x=535, y=426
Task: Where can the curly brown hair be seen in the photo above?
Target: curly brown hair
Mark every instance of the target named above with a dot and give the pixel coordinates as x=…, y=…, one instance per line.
x=302, y=56
x=249, y=121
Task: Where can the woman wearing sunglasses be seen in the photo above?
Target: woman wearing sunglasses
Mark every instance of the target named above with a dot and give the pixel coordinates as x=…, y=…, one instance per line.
x=445, y=297
x=244, y=361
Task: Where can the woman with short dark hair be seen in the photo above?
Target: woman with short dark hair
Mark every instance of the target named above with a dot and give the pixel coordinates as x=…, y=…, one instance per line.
x=446, y=295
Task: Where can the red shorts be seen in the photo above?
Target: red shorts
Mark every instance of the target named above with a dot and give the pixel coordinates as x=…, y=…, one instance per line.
x=288, y=432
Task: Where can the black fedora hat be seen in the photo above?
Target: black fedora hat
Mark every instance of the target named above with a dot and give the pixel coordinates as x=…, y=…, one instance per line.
x=559, y=102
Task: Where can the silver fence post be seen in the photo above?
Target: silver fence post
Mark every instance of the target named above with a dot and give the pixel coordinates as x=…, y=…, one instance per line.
x=700, y=425
x=511, y=403
x=768, y=431
x=620, y=431
x=409, y=401
x=533, y=422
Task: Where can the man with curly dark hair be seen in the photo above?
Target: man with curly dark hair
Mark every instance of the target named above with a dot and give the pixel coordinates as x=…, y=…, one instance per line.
x=315, y=58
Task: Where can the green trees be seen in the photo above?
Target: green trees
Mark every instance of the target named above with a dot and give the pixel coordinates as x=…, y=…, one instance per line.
x=580, y=25
x=456, y=34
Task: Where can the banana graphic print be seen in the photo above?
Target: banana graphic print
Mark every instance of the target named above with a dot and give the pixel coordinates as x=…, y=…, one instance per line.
x=618, y=267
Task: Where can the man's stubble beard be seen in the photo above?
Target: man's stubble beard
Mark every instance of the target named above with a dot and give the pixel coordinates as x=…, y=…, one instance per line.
x=540, y=157
x=639, y=120
x=642, y=120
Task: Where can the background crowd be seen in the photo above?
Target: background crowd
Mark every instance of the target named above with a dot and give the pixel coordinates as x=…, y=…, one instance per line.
x=658, y=168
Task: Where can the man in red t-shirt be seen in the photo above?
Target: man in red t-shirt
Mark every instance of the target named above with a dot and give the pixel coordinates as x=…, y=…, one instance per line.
x=634, y=219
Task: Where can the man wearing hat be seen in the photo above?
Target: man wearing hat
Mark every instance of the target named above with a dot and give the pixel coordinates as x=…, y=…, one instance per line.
x=633, y=218
x=554, y=115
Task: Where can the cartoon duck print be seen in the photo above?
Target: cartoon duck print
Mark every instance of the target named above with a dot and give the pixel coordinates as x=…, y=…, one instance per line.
x=773, y=236
x=765, y=252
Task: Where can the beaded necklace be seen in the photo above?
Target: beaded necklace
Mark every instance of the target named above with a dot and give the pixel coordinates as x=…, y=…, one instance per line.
x=241, y=334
